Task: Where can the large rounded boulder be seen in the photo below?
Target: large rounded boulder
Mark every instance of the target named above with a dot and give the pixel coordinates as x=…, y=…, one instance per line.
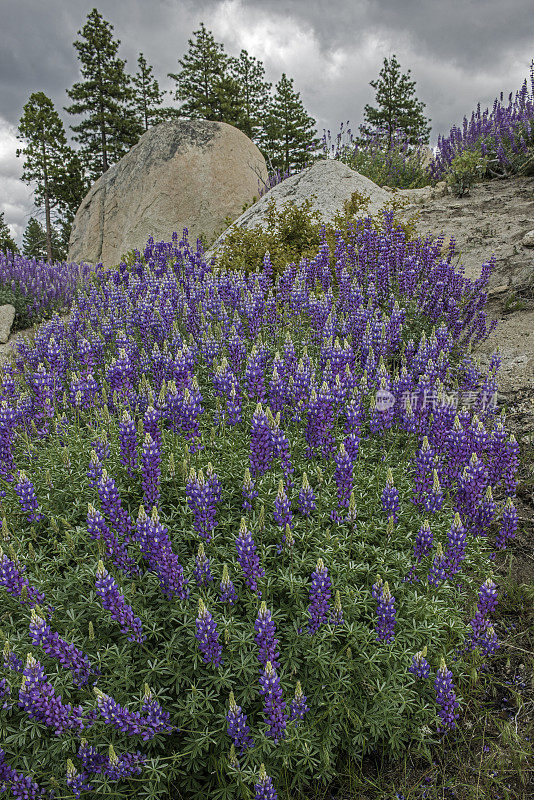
x=181, y=174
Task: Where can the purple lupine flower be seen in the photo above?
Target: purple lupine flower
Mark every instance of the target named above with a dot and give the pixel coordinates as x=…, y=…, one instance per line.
x=264, y=789
x=115, y=549
x=336, y=618
x=118, y=767
x=509, y=524
x=306, y=501
x=92, y=760
x=111, y=504
x=151, y=471
x=456, y=542
x=208, y=636
x=21, y=786
x=249, y=491
x=94, y=472
x=248, y=558
x=420, y=666
x=77, y=782
x=266, y=637
x=274, y=704
x=282, y=508
x=390, y=497
x=281, y=448
x=485, y=514
x=320, y=593
x=26, y=493
x=10, y=659
x=202, y=497
x=434, y=499
x=423, y=542
x=446, y=698
x=114, y=602
x=202, y=570
x=238, y=730
x=153, y=713
x=128, y=443
x=16, y=583
x=156, y=547
x=233, y=406
x=487, y=601
x=377, y=588
x=425, y=462
x=385, y=616
x=130, y=722
x=228, y=592
x=438, y=571
x=67, y=654
x=261, y=442
x=343, y=476
x=488, y=642
x=298, y=706
x=38, y=699
x=487, y=597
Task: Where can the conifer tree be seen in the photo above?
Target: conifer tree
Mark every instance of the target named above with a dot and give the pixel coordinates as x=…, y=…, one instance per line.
x=397, y=106
x=104, y=96
x=49, y=162
x=198, y=82
x=34, y=242
x=6, y=240
x=255, y=92
x=147, y=97
x=288, y=137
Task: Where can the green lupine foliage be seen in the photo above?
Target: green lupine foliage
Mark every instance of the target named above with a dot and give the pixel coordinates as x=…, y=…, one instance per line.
x=359, y=693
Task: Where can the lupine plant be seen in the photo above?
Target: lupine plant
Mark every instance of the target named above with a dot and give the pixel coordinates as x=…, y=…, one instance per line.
x=38, y=288
x=157, y=391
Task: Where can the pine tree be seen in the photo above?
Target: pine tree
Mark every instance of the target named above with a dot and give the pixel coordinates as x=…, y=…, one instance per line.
x=104, y=96
x=49, y=162
x=198, y=82
x=147, y=97
x=255, y=92
x=398, y=107
x=288, y=137
x=228, y=103
x=34, y=242
x=6, y=240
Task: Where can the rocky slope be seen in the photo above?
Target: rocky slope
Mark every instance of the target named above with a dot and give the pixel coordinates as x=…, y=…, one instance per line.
x=493, y=220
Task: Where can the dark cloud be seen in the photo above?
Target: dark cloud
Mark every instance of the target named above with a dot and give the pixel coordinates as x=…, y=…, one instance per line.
x=460, y=52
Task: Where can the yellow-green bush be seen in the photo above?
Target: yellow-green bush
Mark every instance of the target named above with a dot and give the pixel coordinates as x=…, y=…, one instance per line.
x=294, y=232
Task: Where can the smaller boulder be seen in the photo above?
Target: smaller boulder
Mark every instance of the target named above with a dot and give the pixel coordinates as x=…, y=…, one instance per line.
x=7, y=316
x=528, y=239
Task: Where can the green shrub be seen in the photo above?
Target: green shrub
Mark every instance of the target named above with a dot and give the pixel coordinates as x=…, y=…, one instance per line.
x=466, y=168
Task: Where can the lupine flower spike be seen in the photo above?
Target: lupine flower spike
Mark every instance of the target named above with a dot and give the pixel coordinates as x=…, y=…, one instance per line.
x=298, y=706
x=264, y=789
x=446, y=698
x=237, y=729
x=420, y=666
x=208, y=636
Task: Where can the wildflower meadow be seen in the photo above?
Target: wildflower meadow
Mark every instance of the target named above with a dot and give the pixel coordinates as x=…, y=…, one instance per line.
x=248, y=522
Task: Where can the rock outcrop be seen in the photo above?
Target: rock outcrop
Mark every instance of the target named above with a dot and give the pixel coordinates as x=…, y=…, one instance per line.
x=181, y=174
x=327, y=184
x=7, y=316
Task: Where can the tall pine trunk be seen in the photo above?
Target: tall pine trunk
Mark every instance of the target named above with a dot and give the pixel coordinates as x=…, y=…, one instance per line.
x=48, y=223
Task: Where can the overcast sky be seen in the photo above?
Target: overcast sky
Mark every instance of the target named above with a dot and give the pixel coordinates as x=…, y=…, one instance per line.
x=460, y=52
